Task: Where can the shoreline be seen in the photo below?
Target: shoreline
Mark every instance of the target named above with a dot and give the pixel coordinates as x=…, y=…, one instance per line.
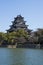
x=37, y=46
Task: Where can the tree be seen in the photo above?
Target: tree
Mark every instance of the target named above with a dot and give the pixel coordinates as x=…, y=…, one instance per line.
x=16, y=36
x=2, y=37
x=39, y=34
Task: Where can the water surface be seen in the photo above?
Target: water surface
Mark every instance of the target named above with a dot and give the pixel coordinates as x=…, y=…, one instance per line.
x=21, y=56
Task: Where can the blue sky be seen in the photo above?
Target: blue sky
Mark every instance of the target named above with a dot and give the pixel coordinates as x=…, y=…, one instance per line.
x=31, y=10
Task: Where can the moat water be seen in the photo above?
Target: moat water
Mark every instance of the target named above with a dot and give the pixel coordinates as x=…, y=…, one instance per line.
x=20, y=56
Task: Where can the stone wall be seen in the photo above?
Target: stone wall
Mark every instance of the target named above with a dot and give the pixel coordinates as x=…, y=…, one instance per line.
x=27, y=45
x=11, y=46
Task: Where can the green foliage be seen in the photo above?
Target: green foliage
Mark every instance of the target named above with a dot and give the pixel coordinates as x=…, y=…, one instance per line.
x=2, y=37
x=39, y=32
x=11, y=37
x=38, y=35
x=21, y=34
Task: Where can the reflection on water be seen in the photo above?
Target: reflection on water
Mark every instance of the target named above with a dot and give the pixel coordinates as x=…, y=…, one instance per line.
x=21, y=56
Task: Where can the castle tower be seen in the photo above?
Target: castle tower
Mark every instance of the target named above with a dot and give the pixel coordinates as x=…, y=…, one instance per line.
x=17, y=24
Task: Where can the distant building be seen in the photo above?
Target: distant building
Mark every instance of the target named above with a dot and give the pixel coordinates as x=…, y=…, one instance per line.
x=17, y=24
